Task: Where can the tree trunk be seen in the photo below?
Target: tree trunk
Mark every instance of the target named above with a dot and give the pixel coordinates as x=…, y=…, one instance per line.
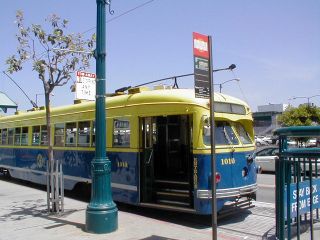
x=53, y=192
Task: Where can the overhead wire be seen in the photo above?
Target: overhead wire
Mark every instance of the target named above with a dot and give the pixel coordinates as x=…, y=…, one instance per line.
x=243, y=95
x=122, y=14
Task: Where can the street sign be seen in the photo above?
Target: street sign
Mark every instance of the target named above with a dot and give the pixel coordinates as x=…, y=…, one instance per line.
x=203, y=87
x=302, y=198
x=86, y=86
x=201, y=56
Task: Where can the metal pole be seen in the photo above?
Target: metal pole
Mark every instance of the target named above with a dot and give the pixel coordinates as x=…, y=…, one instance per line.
x=213, y=148
x=102, y=213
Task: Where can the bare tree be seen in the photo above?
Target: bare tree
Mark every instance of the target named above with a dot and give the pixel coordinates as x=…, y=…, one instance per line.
x=55, y=56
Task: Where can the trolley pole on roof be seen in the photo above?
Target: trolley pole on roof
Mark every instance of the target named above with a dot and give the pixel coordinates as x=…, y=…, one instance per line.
x=102, y=212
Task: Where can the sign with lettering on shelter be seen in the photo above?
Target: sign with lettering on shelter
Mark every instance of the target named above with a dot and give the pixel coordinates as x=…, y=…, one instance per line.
x=303, y=198
x=201, y=56
x=86, y=86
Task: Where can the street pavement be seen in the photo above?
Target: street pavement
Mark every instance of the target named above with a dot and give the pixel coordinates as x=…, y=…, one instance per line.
x=23, y=215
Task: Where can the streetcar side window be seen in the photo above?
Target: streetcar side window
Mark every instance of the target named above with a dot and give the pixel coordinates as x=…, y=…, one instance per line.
x=17, y=136
x=121, y=133
x=71, y=133
x=84, y=134
x=93, y=134
x=243, y=134
x=35, y=135
x=10, y=136
x=59, y=134
x=24, y=136
x=44, y=135
x=4, y=134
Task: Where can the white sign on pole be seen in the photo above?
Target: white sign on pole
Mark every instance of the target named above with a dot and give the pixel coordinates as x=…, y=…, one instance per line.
x=86, y=86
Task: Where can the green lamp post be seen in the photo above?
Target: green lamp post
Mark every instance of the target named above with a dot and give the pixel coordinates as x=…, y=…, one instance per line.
x=102, y=212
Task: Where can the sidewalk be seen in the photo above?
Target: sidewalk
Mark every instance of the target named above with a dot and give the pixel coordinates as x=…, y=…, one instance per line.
x=23, y=216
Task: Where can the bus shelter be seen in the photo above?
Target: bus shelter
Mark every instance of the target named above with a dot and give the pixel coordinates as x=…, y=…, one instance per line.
x=6, y=102
x=297, y=183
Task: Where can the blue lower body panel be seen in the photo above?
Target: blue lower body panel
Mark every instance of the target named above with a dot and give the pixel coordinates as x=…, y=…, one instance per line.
x=30, y=165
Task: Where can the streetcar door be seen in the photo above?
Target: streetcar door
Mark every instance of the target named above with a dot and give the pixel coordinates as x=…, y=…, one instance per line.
x=148, y=133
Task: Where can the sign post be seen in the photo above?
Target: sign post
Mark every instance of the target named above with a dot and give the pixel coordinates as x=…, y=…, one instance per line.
x=203, y=81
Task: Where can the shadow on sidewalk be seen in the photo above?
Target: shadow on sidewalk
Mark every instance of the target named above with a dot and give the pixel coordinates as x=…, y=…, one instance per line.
x=37, y=208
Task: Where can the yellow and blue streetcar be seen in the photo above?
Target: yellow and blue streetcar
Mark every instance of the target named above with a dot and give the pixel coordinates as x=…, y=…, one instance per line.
x=158, y=142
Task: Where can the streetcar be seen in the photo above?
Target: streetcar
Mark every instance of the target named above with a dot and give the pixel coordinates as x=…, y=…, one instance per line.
x=158, y=142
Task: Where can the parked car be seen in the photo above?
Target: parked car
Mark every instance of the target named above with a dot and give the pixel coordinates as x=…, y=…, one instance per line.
x=259, y=142
x=267, y=139
x=265, y=158
x=311, y=143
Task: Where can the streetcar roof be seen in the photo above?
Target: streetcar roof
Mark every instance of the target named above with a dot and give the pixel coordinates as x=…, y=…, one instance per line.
x=139, y=97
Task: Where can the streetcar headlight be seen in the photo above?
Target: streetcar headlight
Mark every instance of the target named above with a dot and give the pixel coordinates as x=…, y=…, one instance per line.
x=245, y=171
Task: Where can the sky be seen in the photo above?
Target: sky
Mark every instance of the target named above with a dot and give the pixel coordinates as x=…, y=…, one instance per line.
x=274, y=44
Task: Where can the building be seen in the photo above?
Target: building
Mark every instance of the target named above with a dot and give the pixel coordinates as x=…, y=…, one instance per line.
x=265, y=119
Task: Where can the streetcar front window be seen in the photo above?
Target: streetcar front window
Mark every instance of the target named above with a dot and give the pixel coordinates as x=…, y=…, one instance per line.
x=243, y=134
x=224, y=134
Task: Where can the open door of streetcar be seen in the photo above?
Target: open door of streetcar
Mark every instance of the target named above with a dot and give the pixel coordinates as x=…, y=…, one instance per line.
x=148, y=129
x=166, y=160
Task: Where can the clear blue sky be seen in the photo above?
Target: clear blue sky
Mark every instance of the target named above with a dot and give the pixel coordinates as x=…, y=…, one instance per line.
x=275, y=45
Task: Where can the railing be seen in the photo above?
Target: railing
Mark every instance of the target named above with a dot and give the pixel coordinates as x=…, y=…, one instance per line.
x=297, y=184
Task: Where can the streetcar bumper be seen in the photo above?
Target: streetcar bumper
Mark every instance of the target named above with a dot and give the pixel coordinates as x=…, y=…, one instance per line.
x=228, y=193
